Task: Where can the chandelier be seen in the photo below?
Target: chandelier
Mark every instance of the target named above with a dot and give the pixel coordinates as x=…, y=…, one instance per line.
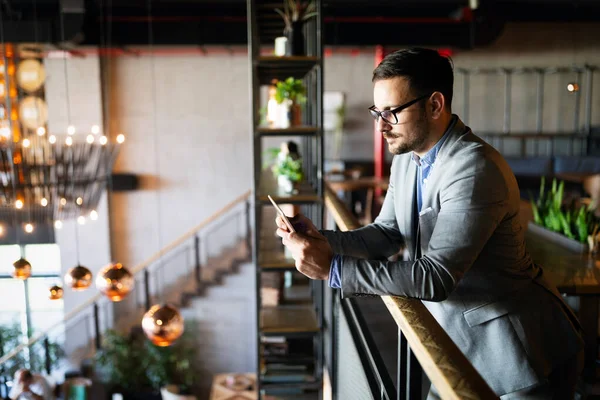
x=45, y=177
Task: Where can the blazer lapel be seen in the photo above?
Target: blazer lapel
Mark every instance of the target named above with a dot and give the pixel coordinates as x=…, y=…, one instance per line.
x=410, y=207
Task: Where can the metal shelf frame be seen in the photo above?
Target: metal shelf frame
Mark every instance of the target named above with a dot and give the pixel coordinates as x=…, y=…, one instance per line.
x=268, y=256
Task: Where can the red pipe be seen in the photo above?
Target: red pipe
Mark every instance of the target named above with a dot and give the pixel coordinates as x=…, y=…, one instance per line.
x=379, y=146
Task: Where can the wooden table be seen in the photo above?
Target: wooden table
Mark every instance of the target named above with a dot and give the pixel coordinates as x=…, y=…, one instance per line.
x=364, y=182
x=574, y=275
x=244, y=387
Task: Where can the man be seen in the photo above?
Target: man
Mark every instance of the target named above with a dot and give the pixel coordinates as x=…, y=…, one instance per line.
x=29, y=386
x=453, y=203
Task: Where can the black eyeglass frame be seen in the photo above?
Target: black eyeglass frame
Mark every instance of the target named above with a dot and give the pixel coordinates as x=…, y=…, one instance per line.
x=377, y=114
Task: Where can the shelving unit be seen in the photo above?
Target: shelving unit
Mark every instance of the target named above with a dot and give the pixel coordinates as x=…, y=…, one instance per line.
x=290, y=310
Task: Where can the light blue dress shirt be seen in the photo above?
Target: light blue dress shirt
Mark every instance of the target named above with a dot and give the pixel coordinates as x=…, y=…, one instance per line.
x=425, y=165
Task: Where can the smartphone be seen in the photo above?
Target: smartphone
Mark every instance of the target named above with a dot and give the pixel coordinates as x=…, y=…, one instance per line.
x=285, y=219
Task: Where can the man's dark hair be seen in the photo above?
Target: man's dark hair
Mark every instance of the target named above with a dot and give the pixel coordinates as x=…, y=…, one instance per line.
x=26, y=375
x=425, y=69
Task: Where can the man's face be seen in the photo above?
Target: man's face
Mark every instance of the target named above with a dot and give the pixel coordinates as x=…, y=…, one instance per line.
x=412, y=129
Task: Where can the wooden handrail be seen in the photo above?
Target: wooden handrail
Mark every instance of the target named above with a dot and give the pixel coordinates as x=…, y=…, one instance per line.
x=134, y=270
x=448, y=369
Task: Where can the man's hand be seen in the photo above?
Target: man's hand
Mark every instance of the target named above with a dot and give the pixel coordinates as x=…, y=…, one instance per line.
x=310, y=249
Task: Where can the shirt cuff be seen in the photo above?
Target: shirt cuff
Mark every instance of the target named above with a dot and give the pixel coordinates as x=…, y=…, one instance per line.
x=335, y=279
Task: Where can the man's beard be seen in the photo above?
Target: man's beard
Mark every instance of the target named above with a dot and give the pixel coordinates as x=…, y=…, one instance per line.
x=421, y=130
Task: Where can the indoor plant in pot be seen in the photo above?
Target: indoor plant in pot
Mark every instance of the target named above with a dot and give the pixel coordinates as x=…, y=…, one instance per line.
x=294, y=14
x=131, y=365
x=286, y=165
x=568, y=225
x=290, y=93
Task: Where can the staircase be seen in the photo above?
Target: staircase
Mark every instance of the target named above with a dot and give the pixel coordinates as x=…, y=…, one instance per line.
x=205, y=273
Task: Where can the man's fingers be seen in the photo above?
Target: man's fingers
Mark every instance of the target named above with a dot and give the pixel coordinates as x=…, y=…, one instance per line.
x=279, y=222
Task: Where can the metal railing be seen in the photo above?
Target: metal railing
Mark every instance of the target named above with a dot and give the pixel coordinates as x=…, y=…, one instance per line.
x=423, y=346
x=80, y=330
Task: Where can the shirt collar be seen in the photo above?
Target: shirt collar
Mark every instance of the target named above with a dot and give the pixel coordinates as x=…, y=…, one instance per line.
x=429, y=158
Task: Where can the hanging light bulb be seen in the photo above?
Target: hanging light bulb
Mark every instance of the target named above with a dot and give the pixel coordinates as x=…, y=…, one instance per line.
x=41, y=131
x=1, y=230
x=69, y=141
x=120, y=138
x=103, y=140
x=28, y=227
x=93, y=215
x=71, y=130
x=81, y=220
x=19, y=204
x=90, y=139
x=95, y=129
x=573, y=87
x=44, y=202
x=78, y=278
x=26, y=143
x=162, y=324
x=56, y=293
x=63, y=201
x=22, y=269
x=115, y=282
x=58, y=224
x=79, y=201
x=52, y=139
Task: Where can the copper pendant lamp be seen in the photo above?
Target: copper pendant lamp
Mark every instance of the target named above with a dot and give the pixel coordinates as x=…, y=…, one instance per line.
x=55, y=293
x=22, y=269
x=163, y=324
x=115, y=281
x=78, y=278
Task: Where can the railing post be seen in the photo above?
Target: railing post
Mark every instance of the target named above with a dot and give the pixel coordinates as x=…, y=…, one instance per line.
x=97, y=327
x=248, y=229
x=147, y=289
x=48, y=361
x=402, y=364
x=197, y=258
x=415, y=376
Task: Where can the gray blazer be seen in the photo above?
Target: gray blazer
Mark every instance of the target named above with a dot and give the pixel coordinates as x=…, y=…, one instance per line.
x=468, y=263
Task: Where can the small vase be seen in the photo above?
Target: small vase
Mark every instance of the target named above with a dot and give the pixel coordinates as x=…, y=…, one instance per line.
x=295, y=115
x=285, y=183
x=295, y=42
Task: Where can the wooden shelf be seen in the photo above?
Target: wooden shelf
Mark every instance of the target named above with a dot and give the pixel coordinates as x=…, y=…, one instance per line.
x=268, y=186
x=297, y=295
x=284, y=320
x=271, y=254
x=302, y=130
x=275, y=67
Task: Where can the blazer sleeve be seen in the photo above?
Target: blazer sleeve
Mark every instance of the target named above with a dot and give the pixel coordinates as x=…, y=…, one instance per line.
x=473, y=201
x=376, y=241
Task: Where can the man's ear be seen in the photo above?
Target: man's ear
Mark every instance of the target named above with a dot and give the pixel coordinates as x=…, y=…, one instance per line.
x=437, y=104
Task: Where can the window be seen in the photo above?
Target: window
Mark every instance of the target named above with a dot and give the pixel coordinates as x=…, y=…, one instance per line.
x=26, y=302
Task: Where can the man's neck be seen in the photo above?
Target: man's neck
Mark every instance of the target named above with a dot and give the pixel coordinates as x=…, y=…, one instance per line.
x=434, y=136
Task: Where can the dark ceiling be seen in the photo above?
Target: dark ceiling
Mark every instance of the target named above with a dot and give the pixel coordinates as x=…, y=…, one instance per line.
x=223, y=22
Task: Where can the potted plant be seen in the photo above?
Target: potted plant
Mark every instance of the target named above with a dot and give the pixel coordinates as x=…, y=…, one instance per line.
x=294, y=14
x=291, y=94
x=569, y=226
x=133, y=366
x=11, y=336
x=286, y=165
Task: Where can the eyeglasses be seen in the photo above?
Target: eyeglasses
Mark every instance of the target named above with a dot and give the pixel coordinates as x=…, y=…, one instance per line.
x=389, y=116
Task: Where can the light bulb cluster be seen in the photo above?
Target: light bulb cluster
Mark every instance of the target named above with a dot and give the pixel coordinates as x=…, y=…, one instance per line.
x=69, y=141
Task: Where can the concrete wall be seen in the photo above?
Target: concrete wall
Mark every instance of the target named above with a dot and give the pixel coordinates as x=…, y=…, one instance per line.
x=197, y=112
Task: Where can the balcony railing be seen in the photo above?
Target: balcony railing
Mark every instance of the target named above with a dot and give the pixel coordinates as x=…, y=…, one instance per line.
x=423, y=346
